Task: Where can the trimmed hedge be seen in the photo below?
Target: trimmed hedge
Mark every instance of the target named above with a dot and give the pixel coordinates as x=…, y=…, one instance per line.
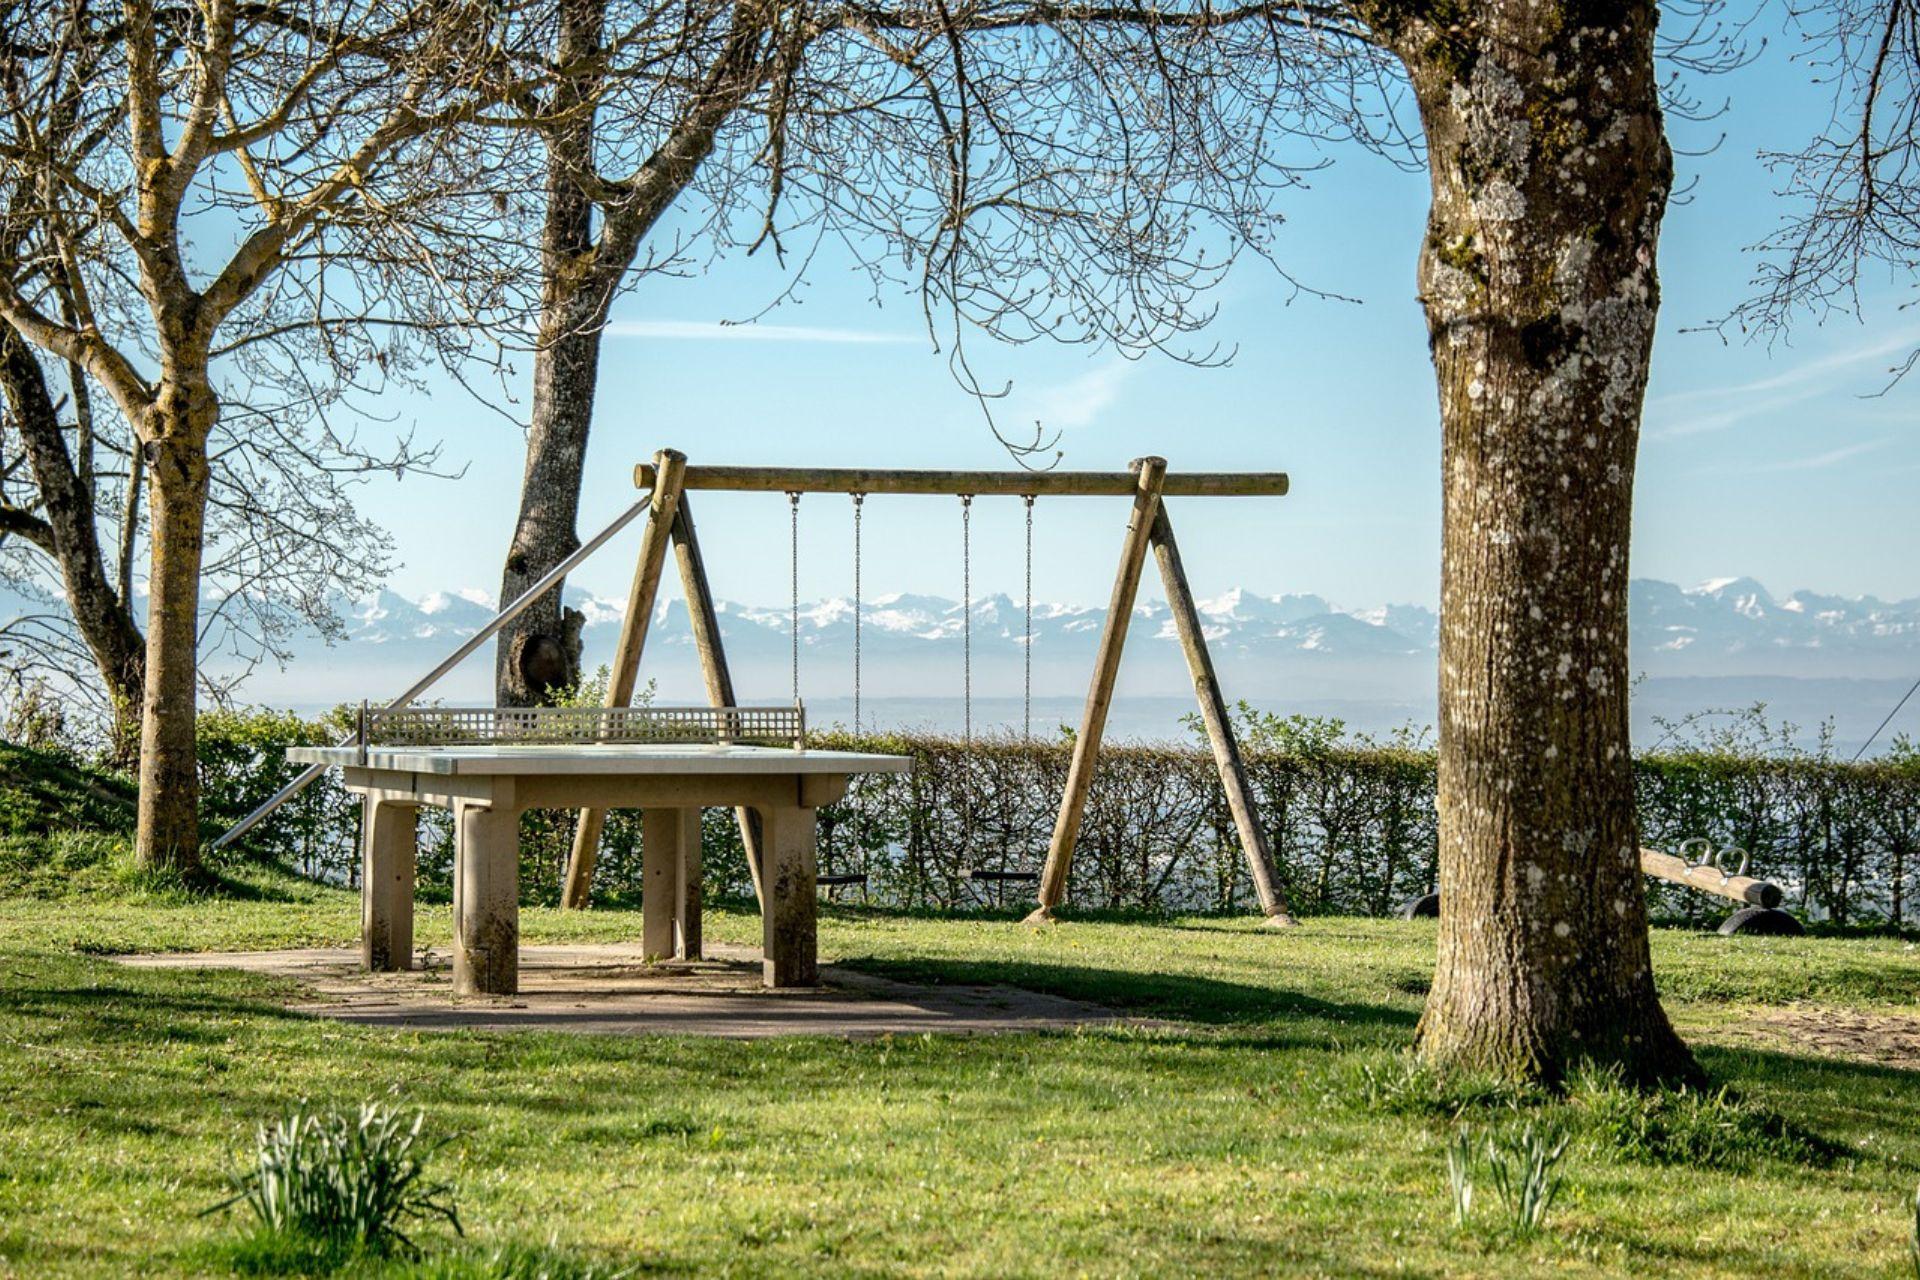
x=1351, y=822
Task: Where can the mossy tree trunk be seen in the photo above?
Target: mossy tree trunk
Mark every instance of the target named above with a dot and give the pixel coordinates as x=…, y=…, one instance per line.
x=175, y=438
x=1550, y=172
x=539, y=651
x=593, y=229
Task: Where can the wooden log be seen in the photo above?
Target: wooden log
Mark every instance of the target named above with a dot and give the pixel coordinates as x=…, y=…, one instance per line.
x=705, y=622
x=1213, y=712
x=1148, y=475
x=626, y=655
x=1019, y=484
x=1707, y=879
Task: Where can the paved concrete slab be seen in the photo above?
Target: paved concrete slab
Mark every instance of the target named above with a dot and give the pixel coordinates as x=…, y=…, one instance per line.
x=610, y=989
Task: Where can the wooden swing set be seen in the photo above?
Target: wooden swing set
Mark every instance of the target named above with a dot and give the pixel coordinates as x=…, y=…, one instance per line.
x=670, y=527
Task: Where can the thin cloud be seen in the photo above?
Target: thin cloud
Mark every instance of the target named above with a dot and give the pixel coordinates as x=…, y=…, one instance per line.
x=1078, y=402
x=1831, y=458
x=719, y=331
x=1775, y=391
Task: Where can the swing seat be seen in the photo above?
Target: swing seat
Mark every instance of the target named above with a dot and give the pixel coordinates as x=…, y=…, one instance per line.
x=1000, y=877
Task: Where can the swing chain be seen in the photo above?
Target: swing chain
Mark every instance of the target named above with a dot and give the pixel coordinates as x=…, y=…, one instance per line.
x=859, y=849
x=859, y=505
x=1026, y=703
x=793, y=562
x=966, y=612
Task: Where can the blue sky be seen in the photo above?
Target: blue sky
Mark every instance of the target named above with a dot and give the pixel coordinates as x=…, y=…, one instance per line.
x=1769, y=460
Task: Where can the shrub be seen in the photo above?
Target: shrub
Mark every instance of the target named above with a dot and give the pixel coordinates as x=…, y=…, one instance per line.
x=1521, y=1167
x=243, y=760
x=1351, y=821
x=340, y=1180
x=1460, y=1175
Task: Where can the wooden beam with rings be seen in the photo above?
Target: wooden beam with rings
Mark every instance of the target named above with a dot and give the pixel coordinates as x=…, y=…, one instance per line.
x=1149, y=529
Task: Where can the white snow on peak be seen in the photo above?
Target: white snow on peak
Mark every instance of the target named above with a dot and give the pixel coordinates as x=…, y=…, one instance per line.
x=1227, y=602
x=600, y=610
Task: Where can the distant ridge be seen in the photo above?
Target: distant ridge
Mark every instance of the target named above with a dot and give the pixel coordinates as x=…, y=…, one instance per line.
x=1724, y=643
x=1728, y=626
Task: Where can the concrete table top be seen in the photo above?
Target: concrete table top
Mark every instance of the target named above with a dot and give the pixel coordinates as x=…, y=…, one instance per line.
x=608, y=758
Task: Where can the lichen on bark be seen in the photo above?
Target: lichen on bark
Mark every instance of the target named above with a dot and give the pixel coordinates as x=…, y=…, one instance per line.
x=1550, y=174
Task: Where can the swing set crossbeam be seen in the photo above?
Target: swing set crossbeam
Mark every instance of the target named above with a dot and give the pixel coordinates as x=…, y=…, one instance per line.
x=1013, y=484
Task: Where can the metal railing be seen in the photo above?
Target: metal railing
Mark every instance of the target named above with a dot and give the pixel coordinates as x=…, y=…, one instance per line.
x=784, y=726
x=521, y=604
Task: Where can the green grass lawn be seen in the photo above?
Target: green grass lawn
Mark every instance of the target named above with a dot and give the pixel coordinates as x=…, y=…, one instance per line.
x=1275, y=1128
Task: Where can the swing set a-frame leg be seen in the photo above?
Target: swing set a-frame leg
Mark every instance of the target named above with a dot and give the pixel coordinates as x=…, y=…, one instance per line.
x=705, y=622
x=670, y=466
x=669, y=523
x=1213, y=713
x=1149, y=527
x=1150, y=474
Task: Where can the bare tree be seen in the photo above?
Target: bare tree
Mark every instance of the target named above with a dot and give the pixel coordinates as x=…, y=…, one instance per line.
x=313, y=130
x=1551, y=172
x=1059, y=172
x=286, y=542
x=1030, y=170
x=50, y=510
x=1851, y=193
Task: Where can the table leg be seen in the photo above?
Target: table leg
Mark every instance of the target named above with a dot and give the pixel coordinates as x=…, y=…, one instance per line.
x=669, y=841
x=388, y=836
x=486, y=901
x=686, y=897
x=790, y=944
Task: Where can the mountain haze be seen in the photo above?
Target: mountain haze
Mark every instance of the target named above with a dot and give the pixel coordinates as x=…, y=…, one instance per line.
x=1723, y=643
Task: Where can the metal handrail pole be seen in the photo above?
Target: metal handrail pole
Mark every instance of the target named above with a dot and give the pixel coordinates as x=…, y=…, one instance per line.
x=306, y=776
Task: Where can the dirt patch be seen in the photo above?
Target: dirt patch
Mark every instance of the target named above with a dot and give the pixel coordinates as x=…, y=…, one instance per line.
x=1887, y=1039
x=610, y=989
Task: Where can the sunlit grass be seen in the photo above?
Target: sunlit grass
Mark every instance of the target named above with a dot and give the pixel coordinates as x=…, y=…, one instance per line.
x=1270, y=1126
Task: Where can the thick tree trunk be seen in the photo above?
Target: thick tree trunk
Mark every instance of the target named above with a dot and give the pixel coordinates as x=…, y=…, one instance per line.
x=581, y=272
x=1550, y=175
x=169, y=827
x=100, y=613
x=539, y=651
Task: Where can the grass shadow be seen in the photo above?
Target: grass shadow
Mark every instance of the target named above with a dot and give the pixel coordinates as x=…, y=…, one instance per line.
x=1181, y=997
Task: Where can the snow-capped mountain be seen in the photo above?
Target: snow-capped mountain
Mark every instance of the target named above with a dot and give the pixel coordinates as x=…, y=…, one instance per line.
x=1732, y=626
x=389, y=618
x=1736, y=626
x=1725, y=643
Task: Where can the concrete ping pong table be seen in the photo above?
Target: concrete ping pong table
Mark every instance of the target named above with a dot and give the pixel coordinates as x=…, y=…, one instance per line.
x=489, y=764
